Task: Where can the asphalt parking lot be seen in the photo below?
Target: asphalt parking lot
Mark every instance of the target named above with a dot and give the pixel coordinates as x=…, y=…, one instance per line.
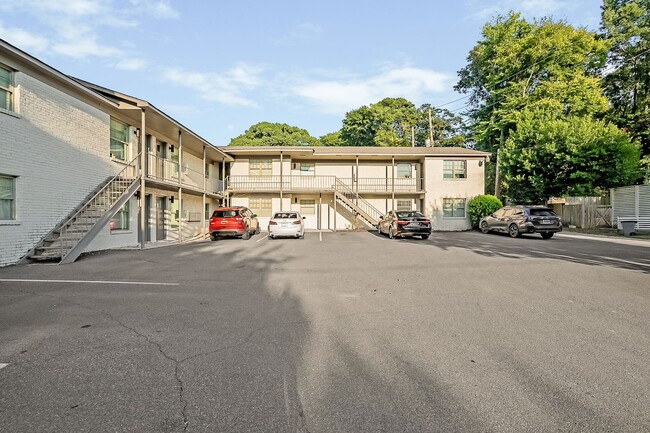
x=338, y=332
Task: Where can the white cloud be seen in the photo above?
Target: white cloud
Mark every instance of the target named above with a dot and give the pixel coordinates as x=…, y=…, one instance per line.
x=339, y=97
x=131, y=64
x=226, y=87
x=530, y=8
x=85, y=47
x=23, y=39
x=159, y=9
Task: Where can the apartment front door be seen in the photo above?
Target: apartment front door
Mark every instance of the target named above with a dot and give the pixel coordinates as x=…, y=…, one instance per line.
x=160, y=218
x=147, y=217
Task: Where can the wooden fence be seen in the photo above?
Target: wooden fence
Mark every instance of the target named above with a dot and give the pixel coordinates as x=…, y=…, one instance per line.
x=585, y=216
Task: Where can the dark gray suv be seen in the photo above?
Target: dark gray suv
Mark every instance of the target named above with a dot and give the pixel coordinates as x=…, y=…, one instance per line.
x=516, y=220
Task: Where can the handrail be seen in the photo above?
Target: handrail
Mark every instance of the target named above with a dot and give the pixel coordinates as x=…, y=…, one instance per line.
x=366, y=207
x=108, y=185
x=324, y=183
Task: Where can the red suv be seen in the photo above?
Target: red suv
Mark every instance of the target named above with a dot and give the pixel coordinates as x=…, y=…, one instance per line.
x=233, y=221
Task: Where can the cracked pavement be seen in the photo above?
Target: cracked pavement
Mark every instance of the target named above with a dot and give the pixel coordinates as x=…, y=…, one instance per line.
x=460, y=333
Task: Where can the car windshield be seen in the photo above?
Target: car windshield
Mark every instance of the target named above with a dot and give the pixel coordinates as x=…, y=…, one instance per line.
x=409, y=214
x=285, y=215
x=542, y=212
x=229, y=213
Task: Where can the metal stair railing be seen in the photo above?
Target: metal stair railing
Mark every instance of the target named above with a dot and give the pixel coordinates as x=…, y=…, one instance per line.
x=371, y=214
x=95, y=209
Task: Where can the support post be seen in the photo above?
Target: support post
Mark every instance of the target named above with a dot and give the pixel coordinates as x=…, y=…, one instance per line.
x=393, y=183
x=203, y=228
x=180, y=188
x=334, y=211
x=143, y=145
x=356, y=182
x=281, y=180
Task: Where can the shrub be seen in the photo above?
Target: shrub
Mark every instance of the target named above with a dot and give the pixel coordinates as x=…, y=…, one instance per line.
x=481, y=206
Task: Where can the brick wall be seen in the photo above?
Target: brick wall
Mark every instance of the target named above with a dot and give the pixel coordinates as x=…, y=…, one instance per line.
x=58, y=148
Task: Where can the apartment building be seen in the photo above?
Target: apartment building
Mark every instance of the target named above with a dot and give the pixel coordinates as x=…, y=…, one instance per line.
x=85, y=168
x=340, y=188
x=74, y=175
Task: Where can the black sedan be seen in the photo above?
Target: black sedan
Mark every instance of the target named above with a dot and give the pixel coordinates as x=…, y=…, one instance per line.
x=404, y=224
x=516, y=220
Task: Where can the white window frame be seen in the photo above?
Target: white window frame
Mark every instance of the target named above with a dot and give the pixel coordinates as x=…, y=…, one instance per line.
x=123, y=215
x=308, y=206
x=260, y=167
x=261, y=206
x=126, y=145
x=458, y=169
x=9, y=89
x=403, y=174
x=307, y=169
x=11, y=198
x=403, y=207
x=454, y=207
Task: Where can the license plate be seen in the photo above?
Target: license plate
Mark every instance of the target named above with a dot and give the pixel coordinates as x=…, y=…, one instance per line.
x=285, y=224
x=414, y=225
x=547, y=222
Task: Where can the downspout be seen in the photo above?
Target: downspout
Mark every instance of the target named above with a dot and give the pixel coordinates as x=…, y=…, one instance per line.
x=143, y=137
x=204, y=190
x=180, y=188
x=393, y=183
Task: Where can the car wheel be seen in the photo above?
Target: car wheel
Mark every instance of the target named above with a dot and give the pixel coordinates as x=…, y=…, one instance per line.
x=425, y=237
x=213, y=237
x=513, y=231
x=257, y=230
x=485, y=228
x=302, y=236
x=247, y=235
x=391, y=235
x=379, y=229
x=547, y=235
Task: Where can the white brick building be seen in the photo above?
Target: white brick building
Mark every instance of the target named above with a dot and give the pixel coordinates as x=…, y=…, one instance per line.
x=73, y=179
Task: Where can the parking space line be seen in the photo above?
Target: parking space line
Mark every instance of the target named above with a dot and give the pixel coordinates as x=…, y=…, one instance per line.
x=137, y=283
x=320, y=236
x=3, y=366
x=260, y=240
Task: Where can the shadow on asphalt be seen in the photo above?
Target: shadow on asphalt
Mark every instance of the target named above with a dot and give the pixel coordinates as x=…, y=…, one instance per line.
x=582, y=251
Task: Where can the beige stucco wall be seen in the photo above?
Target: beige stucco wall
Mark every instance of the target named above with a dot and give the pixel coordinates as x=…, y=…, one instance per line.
x=438, y=188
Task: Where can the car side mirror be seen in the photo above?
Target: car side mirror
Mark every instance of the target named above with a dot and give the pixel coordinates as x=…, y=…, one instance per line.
x=493, y=215
x=304, y=218
x=254, y=215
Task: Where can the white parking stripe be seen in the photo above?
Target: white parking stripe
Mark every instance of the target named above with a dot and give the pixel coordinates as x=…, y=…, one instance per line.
x=320, y=236
x=3, y=366
x=140, y=283
x=260, y=240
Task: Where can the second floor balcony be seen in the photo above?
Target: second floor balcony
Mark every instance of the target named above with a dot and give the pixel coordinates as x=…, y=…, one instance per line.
x=171, y=173
x=241, y=183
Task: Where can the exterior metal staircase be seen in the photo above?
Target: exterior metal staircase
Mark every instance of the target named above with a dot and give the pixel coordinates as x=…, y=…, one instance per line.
x=350, y=200
x=72, y=235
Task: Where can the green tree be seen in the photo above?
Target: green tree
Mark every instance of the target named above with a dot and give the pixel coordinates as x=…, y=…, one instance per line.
x=551, y=155
x=332, y=139
x=448, y=129
x=274, y=134
x=626, y=26
x=482, y=206
x=518, y=63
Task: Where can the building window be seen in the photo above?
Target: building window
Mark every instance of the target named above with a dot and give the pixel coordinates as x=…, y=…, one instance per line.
x=260, y=167
x=7, y=197
x=404, y=205
x=308, y=207
x=307, y=168
x=6, y=89
x=121, y=219
x=454, y=208
x=207, y=211
x=119, y=140
x=263, y=207
x=207, y=170
x=455, y=169
x=404, y=171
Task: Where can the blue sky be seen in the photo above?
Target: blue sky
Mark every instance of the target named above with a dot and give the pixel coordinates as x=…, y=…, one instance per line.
x=219, y=67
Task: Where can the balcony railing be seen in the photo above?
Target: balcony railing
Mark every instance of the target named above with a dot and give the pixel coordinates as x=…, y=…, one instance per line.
x=322, y=183
x=166, y=170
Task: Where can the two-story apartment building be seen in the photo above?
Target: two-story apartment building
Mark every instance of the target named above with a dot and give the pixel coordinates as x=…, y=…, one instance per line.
x=78, y=162
x=85, y=168
x=346, y=187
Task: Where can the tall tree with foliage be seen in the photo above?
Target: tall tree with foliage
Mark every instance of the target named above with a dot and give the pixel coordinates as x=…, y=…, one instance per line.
x=274, y=134
x=550, y=155
x=626, y=27
x=446, y=128
x=536, y=94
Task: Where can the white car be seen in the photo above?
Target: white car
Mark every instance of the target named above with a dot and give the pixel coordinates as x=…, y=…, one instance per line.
x=289, y=224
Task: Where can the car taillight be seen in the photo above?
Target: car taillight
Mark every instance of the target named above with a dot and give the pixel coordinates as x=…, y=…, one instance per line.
x=273, y=223
x=402, y=223
x=297, y=222
x=426, y=223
